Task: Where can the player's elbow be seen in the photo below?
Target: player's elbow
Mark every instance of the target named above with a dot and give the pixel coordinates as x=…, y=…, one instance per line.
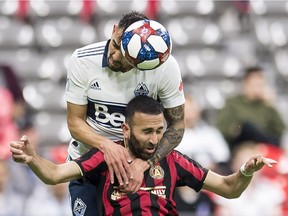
x=71, y=127
x=74, y=129
x=50, y=181
x=234, y=195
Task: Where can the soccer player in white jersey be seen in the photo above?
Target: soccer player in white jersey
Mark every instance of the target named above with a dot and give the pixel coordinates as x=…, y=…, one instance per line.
x=100, y=83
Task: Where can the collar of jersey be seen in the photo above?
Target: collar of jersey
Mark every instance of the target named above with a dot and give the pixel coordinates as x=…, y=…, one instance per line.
x=104, y=60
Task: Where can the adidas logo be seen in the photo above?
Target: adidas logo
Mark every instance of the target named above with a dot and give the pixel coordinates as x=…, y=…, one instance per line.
x=95, y=86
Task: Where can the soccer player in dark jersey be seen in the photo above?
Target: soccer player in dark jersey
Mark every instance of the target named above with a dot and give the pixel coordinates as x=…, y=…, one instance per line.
x=143, y=128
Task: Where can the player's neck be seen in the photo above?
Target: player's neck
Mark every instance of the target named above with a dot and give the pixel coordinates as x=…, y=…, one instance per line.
x=127, y=147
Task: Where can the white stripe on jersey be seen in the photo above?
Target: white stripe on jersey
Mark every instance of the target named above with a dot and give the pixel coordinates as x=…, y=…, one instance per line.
x=90, y=51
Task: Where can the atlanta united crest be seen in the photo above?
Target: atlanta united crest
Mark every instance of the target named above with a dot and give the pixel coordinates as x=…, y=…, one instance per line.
x=156, y=172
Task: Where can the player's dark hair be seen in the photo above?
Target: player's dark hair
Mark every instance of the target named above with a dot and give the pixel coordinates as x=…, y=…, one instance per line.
x=129, y=18
x=142, y=104
x=251, y=70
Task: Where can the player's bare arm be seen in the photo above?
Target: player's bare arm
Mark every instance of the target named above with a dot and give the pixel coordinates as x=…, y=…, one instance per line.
x=232, y=186
x=173, y=135
x=50, y=173
x=115, y=156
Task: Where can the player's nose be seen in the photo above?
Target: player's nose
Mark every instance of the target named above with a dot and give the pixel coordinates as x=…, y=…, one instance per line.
x=117, y=56
x=154, y=139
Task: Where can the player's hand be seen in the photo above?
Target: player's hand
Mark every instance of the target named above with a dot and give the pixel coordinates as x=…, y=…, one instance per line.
x=138, y=167
x=117, y=159
x=22, y=151
x=256, y=162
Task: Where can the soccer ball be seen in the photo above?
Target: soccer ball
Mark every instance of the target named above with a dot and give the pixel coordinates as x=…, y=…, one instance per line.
x=146, y=44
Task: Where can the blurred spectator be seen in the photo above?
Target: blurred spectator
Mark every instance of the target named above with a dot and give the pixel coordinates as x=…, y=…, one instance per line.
x=53, y=199
x=202, y=141
x=253, y=201
x=49, y=200
x=10, y=81
x=11, y=203
x=8, y=129
x=206, y=144
x=251, y=114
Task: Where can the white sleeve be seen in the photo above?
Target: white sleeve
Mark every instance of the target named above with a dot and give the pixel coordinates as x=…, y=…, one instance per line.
x=76, y=85
x=171, y=86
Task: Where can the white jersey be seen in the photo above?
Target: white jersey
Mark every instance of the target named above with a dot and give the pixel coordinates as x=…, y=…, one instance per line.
x=106, y=93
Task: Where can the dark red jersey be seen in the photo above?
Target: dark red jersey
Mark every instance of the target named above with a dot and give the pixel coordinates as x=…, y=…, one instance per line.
x=155, y=196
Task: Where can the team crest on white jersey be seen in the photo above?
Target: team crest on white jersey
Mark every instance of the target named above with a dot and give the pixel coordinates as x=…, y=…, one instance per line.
x=141, y=89
x=79, y=207
x=156, y=172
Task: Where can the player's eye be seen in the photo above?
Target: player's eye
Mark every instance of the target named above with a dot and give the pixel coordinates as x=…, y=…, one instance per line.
x=116, y=46
x=147, y=131
x=159, y=131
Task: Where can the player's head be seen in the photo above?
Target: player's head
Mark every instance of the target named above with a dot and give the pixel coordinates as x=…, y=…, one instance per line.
x=144, y=126
x=116, y=61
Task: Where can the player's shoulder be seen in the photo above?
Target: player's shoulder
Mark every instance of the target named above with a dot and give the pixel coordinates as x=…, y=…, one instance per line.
x=170, y=61
x=91, y=50
x=175, y=154
x=170, y=65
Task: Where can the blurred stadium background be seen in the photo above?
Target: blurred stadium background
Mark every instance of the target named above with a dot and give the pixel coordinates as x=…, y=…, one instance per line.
x=212, y=40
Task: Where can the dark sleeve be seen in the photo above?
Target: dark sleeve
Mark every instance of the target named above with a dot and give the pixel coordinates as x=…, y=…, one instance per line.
x=92, y=164
x=190, y=173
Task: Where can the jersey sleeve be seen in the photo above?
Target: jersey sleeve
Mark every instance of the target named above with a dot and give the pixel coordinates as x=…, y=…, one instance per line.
x=190, y=173
x=91, y=165
x=170, y=84
x=76, y=84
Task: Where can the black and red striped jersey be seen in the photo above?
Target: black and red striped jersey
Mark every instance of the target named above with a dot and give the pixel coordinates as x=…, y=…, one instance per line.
x=155, y=196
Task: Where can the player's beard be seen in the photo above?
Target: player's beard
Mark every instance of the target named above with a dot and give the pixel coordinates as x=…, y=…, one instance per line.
x=137, y=150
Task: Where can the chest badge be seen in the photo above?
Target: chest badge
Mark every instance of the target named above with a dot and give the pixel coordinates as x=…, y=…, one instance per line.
x=141, y=89
x=156, y=172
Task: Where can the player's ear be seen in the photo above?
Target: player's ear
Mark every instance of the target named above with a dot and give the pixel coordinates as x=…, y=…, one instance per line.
x=115, y=28
x=126, y=130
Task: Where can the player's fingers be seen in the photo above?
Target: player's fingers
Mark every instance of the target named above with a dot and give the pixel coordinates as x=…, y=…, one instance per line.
x=110, y=169
x=128, y=171
x=127, y=189
x=122, y=167
x=136, y=188
x=133, y=187
x=16, y=151
x=16, y=144
x=114, y=167
x=118, y=176
x=24, y=138
x=269, y=162
x=18, y=158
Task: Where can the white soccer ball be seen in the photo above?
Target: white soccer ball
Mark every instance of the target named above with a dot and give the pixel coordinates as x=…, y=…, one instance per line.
x=146, y=44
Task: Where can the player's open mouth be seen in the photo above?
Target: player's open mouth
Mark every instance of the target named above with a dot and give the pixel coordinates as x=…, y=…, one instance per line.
x=150, y=150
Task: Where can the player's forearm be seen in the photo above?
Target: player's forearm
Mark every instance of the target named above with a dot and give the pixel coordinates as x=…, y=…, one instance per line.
x=81, y=131
x=236, y=184
x=171, y=138
x=173, y=135
x=44, y=169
